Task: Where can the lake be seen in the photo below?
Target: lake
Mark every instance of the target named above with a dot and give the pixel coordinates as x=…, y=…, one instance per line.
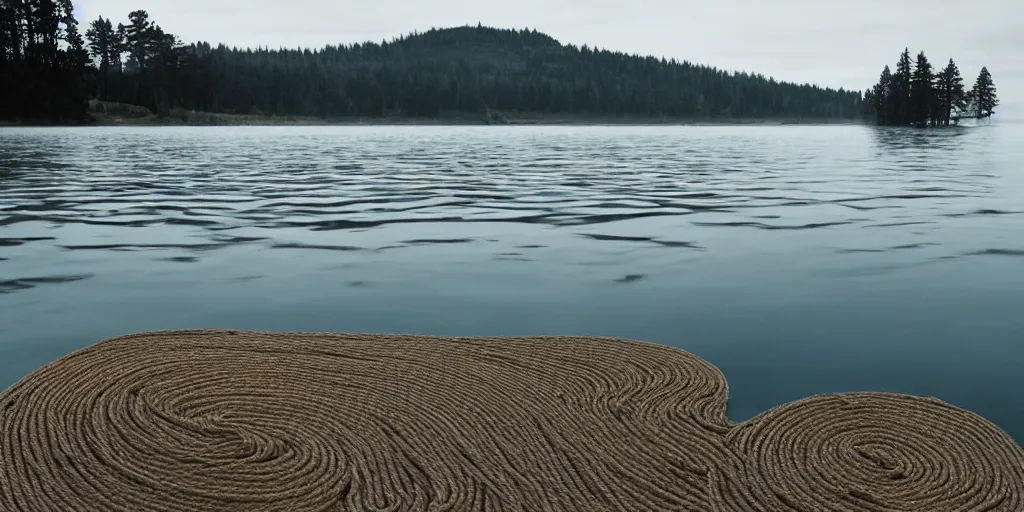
x=798, y=259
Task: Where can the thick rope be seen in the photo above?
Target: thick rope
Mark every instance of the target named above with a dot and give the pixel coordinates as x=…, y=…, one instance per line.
x=227, y=420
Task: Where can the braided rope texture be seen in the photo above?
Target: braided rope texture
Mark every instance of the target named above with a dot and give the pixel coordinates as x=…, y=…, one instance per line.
x=230, y=420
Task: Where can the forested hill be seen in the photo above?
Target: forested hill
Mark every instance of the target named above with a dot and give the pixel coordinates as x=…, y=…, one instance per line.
x=474, y=69
x=469, y=70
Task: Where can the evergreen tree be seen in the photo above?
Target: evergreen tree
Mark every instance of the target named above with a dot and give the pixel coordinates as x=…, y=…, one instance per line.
x=949, y=87
x=922, y=97
x=105, y=44
x=869, y=107
x=163, y=54
x=885, y=99
x=901, y=90
x=984, y=94
x=122, y=46
x=77, y=55
x=137, y=38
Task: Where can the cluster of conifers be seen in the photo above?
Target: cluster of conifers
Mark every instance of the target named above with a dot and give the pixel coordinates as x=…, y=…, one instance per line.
x=923, y=97
x=225, y=420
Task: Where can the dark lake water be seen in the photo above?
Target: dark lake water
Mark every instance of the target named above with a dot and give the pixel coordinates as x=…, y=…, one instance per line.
x=798, y=259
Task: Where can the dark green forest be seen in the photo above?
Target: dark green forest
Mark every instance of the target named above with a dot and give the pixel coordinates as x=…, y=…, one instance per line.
x=917, y=94
x=51, y=70
x=44, y=67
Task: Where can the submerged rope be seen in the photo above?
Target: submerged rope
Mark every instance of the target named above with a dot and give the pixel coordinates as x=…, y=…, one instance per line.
x=226, y=420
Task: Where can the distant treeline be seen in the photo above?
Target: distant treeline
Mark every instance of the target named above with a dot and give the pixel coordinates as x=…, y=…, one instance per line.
x=923, y=97
x=465, y=69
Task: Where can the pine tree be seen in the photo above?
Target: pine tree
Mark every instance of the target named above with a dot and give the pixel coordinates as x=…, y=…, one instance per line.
x=105, y=45
x=949, y=87
x=163, y=54
x=136, y=37
x=901, y=90
x=984, y=94
x=922, y=97
x=885, y=104
x=78, y=56
x=869, y=105
x=122, y=46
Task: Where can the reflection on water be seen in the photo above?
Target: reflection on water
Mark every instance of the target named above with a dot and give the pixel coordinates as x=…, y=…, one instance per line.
x=951, y=138
x=798, y=259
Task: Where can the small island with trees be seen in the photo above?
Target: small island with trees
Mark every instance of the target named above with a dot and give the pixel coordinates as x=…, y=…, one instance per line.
x=917, y=95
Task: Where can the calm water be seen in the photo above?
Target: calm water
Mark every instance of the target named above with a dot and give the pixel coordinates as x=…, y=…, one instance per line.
x=799, y=260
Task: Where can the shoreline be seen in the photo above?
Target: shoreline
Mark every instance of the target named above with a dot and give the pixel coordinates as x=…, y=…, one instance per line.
x=213, y=119
x=116, y=114
x=436, y=122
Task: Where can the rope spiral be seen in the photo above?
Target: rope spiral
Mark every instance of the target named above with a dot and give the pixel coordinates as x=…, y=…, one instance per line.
x=878, y=451
x=229, y=420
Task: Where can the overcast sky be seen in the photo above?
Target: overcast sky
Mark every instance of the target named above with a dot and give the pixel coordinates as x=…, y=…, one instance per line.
x=837, y=43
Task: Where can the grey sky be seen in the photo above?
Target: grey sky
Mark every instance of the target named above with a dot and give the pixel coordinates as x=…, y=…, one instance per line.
x=838, y=43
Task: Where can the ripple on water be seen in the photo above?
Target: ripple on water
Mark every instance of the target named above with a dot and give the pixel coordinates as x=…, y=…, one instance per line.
x=14, y=242
x=26, y=283
x=998, y=252
x=367, y=190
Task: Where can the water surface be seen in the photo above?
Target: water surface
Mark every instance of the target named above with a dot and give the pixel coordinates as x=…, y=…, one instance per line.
x=798, y=259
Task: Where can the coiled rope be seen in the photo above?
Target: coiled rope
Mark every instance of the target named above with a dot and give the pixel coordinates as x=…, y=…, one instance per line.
x=228, y=420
